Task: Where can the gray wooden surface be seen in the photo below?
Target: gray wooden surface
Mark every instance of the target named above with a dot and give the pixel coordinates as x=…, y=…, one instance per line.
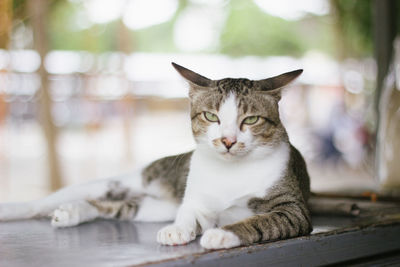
x=114, y=243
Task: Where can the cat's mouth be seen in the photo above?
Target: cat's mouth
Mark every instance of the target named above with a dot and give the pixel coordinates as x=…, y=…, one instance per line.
x=230, y=154
x=236, y=150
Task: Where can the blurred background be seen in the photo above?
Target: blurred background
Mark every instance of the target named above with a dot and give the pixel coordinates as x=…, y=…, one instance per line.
x=87, y=90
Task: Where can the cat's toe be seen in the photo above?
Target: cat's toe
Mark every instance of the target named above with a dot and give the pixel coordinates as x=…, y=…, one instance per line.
x=175, y=235
x=218, y=238
x=65, y=216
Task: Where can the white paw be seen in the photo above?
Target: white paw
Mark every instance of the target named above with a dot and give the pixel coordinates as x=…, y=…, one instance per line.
x=217, y=238
x=66, y=215
x=175, y=235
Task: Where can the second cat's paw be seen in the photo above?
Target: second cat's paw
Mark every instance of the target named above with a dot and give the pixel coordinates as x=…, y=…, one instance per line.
x=217, y=238
x=175, y=235
x=66, y=215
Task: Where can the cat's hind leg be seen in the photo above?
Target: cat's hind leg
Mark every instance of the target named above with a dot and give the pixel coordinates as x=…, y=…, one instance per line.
x=78, y=212
x=142, y=208
x=45, y=206
x=112, y=188
x=74, y=213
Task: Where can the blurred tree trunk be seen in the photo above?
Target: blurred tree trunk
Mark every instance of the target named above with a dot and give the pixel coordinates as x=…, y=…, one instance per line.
x=6, y=14
x=384, y=15
x=38, y=11
x=124, y=45
x=388, y=150
x=5, y=33
x=5, y=22
x=387, y=95
x=340, y=44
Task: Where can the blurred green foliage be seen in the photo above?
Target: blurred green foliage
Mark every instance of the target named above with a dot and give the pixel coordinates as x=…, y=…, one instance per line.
x=247, y=31
x=65, y=35
x=158, y=38
x=346, y=31
x=354, y=24
x=250, y=31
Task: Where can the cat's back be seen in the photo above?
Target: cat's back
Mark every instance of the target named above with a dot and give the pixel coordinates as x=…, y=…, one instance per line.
x=299, y=171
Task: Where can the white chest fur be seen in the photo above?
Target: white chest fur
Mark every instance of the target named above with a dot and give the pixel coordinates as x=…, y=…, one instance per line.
x=215, y=185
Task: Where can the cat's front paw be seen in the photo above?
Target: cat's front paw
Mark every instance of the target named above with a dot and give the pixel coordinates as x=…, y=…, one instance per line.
x=67, y=215
x=217, y=238
x=175, y=235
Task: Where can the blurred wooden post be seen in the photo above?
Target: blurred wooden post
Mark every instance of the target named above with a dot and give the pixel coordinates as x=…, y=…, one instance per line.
x=387, y=95
x=388, y=145
x=6, y=14
x=383, y=12
x=124, y=45
x=5, y=22
x=38, y=10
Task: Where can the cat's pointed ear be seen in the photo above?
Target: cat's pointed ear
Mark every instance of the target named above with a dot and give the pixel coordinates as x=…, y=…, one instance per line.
x=193, y=77
x=274, y=84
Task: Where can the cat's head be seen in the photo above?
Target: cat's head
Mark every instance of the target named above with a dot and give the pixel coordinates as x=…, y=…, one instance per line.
x=236, y=118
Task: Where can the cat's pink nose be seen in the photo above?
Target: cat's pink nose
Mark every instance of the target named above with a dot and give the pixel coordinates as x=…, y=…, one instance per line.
x=228, y=141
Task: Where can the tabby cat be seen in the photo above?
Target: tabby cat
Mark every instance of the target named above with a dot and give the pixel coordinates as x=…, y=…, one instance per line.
x=244, y=183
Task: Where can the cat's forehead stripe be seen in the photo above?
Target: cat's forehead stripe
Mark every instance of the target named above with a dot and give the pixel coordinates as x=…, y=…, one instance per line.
x=242, y=105
x=237, y=86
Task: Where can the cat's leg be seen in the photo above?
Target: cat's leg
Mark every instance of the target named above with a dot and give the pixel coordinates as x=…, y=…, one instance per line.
x=45, y=206
x=112, y=187
x=288, y=220
x=74, y=213
x=190, y=221
x=182, y=231
x=78, y=212
x=141, y=208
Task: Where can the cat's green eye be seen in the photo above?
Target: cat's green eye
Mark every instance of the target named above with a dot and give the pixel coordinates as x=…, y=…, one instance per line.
x=251, y=120
x=211, y=116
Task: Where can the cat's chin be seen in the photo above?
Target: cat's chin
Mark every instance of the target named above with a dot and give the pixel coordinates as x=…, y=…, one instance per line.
x=229, y=156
